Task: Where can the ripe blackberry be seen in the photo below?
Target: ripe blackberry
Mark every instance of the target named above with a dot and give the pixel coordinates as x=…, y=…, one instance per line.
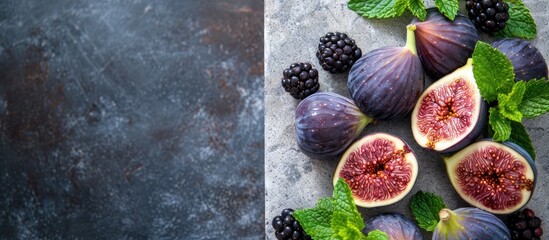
x=524, y=225
x=337, y=52
x=287, y=227
x=300, y=80
x=488, y=15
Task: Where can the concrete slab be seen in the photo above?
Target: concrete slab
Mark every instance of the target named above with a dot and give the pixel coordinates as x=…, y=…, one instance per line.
x=292, y=29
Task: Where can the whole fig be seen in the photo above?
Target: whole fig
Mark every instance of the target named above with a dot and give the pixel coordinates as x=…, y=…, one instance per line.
x=385, y=83
x=395, y=225
x=326, y=124
x=527, y=60
x=469, y=223
x=444, y=45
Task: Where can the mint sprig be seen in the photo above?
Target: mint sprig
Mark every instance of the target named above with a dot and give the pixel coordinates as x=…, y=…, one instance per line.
x=511, y=100
x=395, y=8
x=425, y=207
x=521, y=24
x=336, y=217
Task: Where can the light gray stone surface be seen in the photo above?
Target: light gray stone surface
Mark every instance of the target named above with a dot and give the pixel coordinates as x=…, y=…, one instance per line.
x=292, y=30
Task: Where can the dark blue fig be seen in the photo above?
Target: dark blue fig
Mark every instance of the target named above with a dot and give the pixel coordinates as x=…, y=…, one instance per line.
x=326, y=124
x=395, y=225
x=527, y=60
x=385, y=83
x=469, y=223
x=450, y=114
x=444, y=45
x=497, y=177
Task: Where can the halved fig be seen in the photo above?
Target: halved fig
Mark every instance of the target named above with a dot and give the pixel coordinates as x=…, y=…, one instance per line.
x=395, y=225
x=496, y=177
x=444, y=45
x=379, y=168
x=327, y=123
x=527, y=60
x=450, y=113
x=385, y=83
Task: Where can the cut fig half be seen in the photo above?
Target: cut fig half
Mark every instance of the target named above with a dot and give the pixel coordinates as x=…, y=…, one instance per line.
x=379, y=168
x=496, y=177
x=450, y=113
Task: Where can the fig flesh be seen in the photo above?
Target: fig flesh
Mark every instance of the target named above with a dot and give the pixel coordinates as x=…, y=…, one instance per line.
x=450, y=113
x=327, y=123
x=395, y=225
x=496, y=177
x=444, y=45
x=469, y=223
x=379, y=168
x=385, y=83
x=527, y=60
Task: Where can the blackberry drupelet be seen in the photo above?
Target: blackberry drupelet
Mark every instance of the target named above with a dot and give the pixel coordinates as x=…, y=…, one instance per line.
x=488, y=15
x=287, y=227
x=300, y=80
x=337, y=52
x=524, y=225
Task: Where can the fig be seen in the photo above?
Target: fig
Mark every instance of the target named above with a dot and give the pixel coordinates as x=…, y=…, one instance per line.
x=396, y=225
x=469, y=223
x=327, y=123
x=444, y=45
x=450, y=113
x=496, y=177
x=386, y=82
x=379, y=168
x=527, y=60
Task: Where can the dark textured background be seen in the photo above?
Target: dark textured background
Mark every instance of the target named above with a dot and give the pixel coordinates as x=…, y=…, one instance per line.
x=131, y=119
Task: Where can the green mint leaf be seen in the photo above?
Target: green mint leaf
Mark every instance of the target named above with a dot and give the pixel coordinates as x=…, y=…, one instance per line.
x=500, y=125
x=377, y=235
x=508, y=103
x=344, y=227
x=493, y=71
x=535, y=101
x=316, y=221
x=521, y=24
x=448, y=7
x=418, y=9
x=425, y=207
x=378, y=8
x=343, y=202
x=520, y=137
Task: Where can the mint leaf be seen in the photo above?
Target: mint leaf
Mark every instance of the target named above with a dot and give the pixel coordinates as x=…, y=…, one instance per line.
x=316, y=221
x=520, y=137
x=378, y=8
x=493, y=71
x=521, y=24
x=500, y=125
x=377, y=235
x=343, y=202
x=508, y=104
x=418, y=9
x=425, y=207
x=448, y=7
x=535, y=100
x=344, y=227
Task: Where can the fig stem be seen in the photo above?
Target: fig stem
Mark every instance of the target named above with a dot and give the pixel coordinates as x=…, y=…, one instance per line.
x=449, y=223
x=411, y=38
x=364, y=121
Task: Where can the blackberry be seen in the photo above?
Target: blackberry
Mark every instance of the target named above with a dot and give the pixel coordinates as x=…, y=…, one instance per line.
x=287, y=227
x=488, y=15
x=524, y=225
x=300, y=80
x=337, y=52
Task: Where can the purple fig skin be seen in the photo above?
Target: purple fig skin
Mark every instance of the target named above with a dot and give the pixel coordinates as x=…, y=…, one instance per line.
x=395, y=225
x=444, y=45
x=327, y=123
x=527, y=60
x=385, y=83
x=470, y=223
